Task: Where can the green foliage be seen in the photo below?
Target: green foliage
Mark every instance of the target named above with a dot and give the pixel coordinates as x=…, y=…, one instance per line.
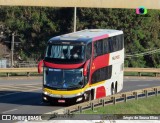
x=35, y=25
x=141, y=31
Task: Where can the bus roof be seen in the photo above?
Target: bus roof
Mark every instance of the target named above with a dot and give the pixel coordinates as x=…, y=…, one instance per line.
x=86, y=35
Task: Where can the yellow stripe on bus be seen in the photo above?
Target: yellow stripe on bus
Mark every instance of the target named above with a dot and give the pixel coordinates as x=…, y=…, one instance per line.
x=71, y=92
x=68, y=92
x=98, y=83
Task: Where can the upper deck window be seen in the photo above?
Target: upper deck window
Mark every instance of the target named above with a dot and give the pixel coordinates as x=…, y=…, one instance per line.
x=65, y=52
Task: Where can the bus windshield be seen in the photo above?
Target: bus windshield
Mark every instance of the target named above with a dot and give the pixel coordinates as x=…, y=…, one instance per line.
x=63, y=79
x=65, y=52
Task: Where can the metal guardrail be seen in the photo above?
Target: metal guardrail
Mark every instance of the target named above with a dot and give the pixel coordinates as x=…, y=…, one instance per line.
x=113, y=99
x=24, y=65
x=143, y=70
x=35, y=70
x=18, y=70
x=149, y=4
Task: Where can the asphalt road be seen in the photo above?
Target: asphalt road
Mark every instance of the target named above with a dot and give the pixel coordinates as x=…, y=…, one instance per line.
x=23, y=95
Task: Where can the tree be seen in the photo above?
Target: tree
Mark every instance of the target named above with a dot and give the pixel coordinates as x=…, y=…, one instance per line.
x=36, y=25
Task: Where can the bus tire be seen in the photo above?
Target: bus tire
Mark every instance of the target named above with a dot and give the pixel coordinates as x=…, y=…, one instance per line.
x=90, y=97
x=116, y=87
x=92, y=94
x=112, y=89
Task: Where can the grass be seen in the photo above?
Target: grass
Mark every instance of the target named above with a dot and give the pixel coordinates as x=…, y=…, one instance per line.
x=150, y=105
x=136, y=74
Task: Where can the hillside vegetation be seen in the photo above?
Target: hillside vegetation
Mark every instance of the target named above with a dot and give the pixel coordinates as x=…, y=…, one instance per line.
x=35, y=25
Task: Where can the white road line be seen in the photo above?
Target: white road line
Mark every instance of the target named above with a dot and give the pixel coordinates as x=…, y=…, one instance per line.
x=19, y=92
x=13, y=85
x=9, y=111
x=131, y=80
x=143, y=85
x=19, y=88
x=33, y=86
x=138, y=80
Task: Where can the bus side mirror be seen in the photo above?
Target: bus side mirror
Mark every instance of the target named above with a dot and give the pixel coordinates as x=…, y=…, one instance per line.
x=85, y=68
x=40, y=66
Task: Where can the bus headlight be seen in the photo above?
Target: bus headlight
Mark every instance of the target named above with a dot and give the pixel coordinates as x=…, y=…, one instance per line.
x=45, y=98
x=46, y=93
x=79, y=99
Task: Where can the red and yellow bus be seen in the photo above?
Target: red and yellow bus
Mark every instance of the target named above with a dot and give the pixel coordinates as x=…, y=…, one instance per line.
x=83, y=65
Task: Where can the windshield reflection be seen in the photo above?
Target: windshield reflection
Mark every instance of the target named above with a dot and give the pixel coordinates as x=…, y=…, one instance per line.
x=63, y=79
x=65, y=52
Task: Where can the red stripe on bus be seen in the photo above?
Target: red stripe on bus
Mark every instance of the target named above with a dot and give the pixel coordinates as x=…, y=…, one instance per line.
x=97, y=62
x=100, y=37
x=63, y=66
x=100, y=92
x=85, y=67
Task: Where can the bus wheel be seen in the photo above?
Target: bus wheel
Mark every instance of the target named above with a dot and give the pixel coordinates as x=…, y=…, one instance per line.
x=112, y=89
x=116, y=88
x=90, y=97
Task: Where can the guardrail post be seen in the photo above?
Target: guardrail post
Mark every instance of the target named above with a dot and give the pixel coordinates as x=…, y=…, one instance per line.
x=125, y=97
x=156, y=91
x=7, y=74
x=28, y=74
x=68, y=111
x=80, y=109
x=146, y=93
x=136, y=95
x=92, y=106
x=156, y=74
x=103, y=102
x=114, y=100
x=139, y=73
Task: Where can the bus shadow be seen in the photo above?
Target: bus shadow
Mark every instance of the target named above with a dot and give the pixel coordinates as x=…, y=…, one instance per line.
x=24, y=98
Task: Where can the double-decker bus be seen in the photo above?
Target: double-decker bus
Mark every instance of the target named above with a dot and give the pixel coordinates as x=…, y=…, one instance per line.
x=83, y=65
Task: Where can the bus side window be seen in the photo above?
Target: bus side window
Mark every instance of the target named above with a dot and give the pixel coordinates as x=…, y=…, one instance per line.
x=121, y=41
x=95, y=50
x=48, y=51
x=105, y=46
x=89, y=51
x=98, y=48
x=110, y=42
x=101, y=74
x=115, y=43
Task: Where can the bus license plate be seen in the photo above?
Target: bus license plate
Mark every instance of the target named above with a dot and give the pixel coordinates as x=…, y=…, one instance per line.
x=61, y=101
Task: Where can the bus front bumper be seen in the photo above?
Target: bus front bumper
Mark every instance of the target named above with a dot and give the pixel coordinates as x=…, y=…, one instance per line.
x=66, y=100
